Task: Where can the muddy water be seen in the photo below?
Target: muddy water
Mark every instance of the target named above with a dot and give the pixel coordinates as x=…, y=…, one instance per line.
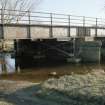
x=40, y=73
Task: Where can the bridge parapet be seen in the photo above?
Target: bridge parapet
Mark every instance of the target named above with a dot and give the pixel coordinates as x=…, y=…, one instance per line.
x=38, y=25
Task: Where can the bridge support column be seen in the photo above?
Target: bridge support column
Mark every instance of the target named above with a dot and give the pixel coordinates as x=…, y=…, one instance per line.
x=51, y=32
x=28, y=32
x=16, y=47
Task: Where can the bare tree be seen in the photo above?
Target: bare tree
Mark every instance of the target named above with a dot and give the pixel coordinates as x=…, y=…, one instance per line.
x=9, y=9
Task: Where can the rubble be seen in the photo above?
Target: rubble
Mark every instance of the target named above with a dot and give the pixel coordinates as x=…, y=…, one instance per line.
x=86, y=89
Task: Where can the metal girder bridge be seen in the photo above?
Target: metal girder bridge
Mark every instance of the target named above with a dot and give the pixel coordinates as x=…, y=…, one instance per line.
x=16, y=24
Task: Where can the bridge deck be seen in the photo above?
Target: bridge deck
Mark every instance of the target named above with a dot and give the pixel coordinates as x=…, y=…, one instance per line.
x=39, y=25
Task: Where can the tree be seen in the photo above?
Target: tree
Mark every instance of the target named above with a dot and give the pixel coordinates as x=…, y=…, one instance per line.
x=9, y=9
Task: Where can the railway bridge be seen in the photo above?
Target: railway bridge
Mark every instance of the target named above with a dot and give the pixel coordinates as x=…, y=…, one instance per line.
x=40, y=35
x=43, y=25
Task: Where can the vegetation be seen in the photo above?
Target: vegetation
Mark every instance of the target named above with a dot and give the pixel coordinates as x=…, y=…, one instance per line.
x=13, y=5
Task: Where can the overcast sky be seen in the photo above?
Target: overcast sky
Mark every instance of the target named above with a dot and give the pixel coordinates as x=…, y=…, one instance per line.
x=91, y=8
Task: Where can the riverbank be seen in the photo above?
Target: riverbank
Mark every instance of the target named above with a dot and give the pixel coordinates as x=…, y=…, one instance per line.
x=74, y=89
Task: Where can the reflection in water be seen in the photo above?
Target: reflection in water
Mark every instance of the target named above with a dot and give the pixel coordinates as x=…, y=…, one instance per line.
x=41, y=73
x=76, y=68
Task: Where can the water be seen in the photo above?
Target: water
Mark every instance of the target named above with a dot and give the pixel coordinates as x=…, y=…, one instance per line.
x=41, y=73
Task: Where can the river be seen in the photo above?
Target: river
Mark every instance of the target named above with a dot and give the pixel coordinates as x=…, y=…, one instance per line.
x=41, y=73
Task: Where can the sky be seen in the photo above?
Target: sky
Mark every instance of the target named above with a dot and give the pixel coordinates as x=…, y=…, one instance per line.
x=90, y=8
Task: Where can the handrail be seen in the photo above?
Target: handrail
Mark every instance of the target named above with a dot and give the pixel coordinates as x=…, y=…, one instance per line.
x=17, y=16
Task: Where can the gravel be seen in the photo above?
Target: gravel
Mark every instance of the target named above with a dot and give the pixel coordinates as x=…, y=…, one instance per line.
x=75, y=89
